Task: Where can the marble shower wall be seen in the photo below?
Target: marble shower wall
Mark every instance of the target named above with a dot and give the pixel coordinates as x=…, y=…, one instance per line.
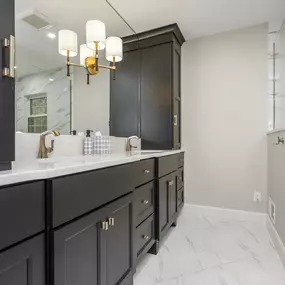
x=56, y=85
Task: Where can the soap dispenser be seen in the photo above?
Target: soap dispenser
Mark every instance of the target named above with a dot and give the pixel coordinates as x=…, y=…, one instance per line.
x=88, y=143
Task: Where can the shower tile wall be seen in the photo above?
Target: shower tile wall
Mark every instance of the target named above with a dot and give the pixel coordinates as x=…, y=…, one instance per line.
x=56, y=85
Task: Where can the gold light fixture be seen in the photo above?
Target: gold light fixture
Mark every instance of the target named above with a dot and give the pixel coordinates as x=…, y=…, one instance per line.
x=89, y=52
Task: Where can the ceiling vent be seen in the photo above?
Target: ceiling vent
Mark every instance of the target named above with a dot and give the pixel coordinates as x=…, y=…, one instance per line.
x=35, y=19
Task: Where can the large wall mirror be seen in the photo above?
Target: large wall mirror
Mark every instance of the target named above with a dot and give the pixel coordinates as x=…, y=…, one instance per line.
x=280, y=83
x=45, y=97
x=276, y=98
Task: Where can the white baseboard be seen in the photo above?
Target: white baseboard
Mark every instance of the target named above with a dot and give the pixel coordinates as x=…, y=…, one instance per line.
x=276, y=240
x=235, y=213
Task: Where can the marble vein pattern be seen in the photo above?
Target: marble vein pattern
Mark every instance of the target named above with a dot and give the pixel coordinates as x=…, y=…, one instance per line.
x=214, y=247
x=58, y=99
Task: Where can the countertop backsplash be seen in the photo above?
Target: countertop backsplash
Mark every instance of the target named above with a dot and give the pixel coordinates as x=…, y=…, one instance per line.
x=27, y=146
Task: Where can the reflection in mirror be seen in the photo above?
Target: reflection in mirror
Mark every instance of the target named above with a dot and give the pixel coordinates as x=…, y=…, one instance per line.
x=45, y=97
x=280, y=83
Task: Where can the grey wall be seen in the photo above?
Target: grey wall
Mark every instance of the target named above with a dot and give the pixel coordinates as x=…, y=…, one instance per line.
x=224, y=122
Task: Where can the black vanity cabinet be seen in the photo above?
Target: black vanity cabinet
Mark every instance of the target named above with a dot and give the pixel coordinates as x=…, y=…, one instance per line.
x=7, y=87
x=24, y=264
x=145, y=97
x=22, y=241
x=96, y=249
x=89, y=228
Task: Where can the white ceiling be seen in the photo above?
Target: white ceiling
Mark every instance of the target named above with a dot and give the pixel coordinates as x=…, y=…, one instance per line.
x=198, y=18
x=35, y=52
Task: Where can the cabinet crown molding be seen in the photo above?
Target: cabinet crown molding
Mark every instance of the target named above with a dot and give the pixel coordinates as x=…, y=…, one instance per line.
x=172, y=28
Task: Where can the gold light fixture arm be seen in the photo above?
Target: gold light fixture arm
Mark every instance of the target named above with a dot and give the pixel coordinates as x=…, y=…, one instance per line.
x=82, y=65
x=108, y=67
x=75, y=64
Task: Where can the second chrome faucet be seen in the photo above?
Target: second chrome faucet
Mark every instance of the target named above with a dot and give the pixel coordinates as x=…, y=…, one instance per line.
x=129, y=146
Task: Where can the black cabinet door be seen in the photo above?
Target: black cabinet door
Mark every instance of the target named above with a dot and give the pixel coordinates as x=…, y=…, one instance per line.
x=24, y=263
x=76, y=253
x=156, y=97
x=124, y=97
x=7, y=89
x=117, y=245
x=176, y=96
x=166, y=203
x=97, y=248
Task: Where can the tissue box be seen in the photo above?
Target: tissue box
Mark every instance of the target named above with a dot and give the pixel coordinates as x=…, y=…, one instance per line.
x=102, y=145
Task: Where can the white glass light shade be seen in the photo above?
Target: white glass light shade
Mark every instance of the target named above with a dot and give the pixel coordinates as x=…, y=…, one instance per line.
x=114, y=49
x=84, y=53
x=67, y=41
x=95, y=32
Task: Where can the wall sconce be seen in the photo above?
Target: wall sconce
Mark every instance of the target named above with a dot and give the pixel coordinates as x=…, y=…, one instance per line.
x=89, y=52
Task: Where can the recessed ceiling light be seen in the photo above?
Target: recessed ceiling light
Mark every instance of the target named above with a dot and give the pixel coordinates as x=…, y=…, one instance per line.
x=51, y=35
x=51, y=79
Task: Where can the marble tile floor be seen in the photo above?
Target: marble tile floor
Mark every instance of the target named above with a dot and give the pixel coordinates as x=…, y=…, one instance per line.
x=214, y=247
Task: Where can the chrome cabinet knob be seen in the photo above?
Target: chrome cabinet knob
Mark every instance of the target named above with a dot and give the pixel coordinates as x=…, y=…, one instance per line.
x=145, y=202
x=147, y=171
x=170, y=183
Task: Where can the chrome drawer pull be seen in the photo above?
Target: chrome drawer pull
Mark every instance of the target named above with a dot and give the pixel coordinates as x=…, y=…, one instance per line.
x=111, y=222
x=105, y=226
x=145, y=202
x=175, y=120
x=9, y=44
x=146, y=171
x=145, y=237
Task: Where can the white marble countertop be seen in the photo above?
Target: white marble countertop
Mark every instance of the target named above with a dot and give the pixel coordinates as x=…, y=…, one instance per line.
x=55, y=167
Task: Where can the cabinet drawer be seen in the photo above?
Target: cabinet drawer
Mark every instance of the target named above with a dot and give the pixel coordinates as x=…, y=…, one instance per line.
x=180, y=198
x=167, y=164
x=145, y=234
x=145, y=170
x=180, y=178
x=75, y=195
x=144, y=202
x=21, y=212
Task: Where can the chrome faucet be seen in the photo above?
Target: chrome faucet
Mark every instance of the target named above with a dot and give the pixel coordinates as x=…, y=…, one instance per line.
x=44, y=150
x=129, y=146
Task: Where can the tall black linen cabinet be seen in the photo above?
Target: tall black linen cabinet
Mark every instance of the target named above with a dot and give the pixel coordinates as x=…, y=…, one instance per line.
x=145, y=97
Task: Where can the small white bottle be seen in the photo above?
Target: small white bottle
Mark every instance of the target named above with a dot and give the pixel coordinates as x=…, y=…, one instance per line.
x=88, y=143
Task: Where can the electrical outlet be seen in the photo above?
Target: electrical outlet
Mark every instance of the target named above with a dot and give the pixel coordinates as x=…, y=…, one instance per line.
x=257, y=197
